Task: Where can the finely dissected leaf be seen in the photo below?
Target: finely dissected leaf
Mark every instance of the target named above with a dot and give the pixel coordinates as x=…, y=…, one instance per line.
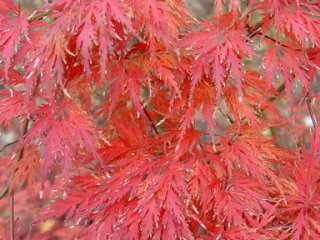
x=7, y=6
x=25, y=170
x=11, y=106
x=11, y=34
x=299, y=19
x=290, y=64
x=62, y=130
x=218, y=54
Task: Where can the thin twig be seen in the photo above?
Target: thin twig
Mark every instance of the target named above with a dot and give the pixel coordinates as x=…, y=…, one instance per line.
x=7, y=145
x=279, y=89
x=226, y=116
x=151, y=122
x=311, y=112
x=11, y=195
x=37, y=16
x=4, y=191
x=257, y=31
x=11, y=205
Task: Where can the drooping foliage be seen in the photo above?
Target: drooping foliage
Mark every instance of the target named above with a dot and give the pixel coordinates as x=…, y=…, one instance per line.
x=134, y=120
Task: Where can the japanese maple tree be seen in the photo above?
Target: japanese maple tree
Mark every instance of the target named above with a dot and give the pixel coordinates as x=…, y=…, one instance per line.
x=132, y=119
